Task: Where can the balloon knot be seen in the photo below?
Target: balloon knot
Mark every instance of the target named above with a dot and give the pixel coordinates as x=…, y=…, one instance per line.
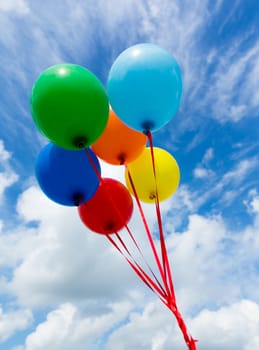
x=152, y=195
x=122, y=158
x=80, y=142
x=147, y=126
x=78, y=198
x=109, y=226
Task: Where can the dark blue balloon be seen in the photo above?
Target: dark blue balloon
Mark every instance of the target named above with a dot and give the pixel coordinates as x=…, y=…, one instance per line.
x=67, y=177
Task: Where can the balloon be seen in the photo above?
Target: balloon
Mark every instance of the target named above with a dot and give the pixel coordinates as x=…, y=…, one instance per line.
x=109, y=210
x=119, y=144
x=69, y=106
x=145, y=87
x=141, y=171
x=67, y=177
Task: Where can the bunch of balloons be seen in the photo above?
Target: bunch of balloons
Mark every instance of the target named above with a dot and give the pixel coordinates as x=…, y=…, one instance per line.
x=84, y=122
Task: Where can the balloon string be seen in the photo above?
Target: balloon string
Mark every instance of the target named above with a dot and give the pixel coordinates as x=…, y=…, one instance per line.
x=171, y=301
x=159, y=286
x=190, y=342
x=164, y=253
x=139, y=271
x=143, y=257
x=96, y=170
x=165, y=260
x=151, y=241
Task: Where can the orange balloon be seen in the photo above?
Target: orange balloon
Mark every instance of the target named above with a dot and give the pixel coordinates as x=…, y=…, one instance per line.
x=119, y=144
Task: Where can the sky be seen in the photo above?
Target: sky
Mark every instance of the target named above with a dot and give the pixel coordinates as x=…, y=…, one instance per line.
x=64, y=287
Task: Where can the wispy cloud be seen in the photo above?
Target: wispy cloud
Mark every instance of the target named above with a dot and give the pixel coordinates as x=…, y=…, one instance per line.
x=225, y=186
x=7, y=176
x=202, y=169
x=232, y=92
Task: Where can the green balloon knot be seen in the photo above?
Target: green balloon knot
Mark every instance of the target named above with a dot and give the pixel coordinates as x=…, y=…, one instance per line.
x=80, y=142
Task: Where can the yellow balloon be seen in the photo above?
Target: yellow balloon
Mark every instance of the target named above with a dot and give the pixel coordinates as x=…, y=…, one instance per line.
x=141, y=171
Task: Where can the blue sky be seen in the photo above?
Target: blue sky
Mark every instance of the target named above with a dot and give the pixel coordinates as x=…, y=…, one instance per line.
x=56, y=289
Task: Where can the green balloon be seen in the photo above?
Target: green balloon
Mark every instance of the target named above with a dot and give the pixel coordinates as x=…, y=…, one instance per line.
x=69, y=105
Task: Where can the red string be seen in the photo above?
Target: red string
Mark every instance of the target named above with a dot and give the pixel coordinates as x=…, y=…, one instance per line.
x=139, y=271
x=164, y=254
x=149, y=235
x=96, y=170
x=190, y=342
x=142, y=255
x=171, y=301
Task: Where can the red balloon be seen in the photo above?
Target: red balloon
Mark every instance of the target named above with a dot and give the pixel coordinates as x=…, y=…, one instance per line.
x=109, y=210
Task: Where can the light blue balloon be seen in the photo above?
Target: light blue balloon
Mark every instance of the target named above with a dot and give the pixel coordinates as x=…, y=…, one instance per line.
x=145, y=87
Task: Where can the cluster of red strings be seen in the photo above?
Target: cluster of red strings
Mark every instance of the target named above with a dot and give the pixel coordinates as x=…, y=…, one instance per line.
x=164, y=289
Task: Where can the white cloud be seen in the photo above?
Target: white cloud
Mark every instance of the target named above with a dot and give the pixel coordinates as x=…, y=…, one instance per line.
x=226, y=328
x=13, y=321
x=197, y=263
x=67, y=328
x=210, y=257
x=183, y=198
x=4, y=154
x=15, y=245
x=230, y=327
x=209, y=154
x=7, y=176
x=7, y=179
x=201, y=173
x=68, y=263
x=151, y=328
x=209, y=264
x=253, y=202
x=202, y=169
x=65, y=261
